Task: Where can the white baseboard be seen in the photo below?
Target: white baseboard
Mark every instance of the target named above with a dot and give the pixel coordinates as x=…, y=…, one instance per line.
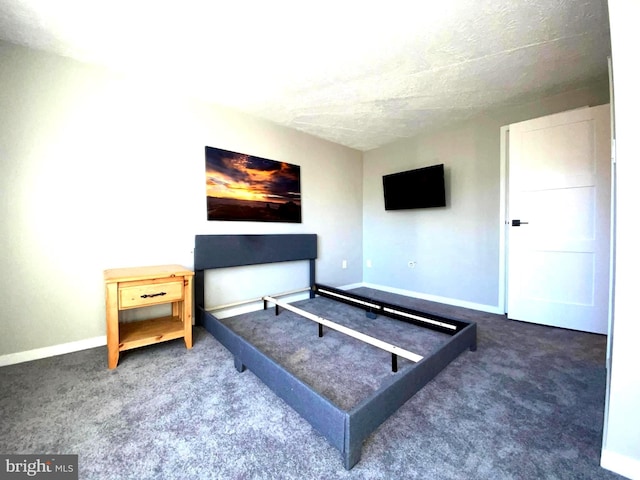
x=352, y=286
x=620, y=464
x=52, y=351
x=252, y=307
x=258, y=304
x=434, y=298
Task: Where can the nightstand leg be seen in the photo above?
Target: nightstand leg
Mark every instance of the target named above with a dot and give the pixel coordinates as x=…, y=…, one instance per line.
x=114, y=355
x=186, y=312
x=113, y=335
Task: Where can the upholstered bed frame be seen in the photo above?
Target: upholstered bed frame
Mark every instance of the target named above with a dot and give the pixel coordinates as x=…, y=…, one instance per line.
x=345, y=430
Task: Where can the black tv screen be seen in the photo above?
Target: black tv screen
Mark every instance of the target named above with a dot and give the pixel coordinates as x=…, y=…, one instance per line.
x=419, y=188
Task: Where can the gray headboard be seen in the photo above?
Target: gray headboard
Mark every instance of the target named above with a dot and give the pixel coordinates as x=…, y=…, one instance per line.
x=220, y=251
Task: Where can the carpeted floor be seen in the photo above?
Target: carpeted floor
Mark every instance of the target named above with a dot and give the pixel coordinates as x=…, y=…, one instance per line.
x=528, y=404
x=343, y=369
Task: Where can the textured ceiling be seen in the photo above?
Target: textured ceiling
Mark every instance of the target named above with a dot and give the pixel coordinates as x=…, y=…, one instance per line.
x=361, y=74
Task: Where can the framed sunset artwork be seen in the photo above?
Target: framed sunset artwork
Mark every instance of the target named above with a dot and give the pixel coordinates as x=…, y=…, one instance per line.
x=243, y=187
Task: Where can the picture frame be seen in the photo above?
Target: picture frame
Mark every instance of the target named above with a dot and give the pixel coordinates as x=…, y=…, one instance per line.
x=242, y=187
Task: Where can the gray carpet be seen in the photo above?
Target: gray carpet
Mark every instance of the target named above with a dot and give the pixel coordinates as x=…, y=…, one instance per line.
x=527, y=404
x=343, y=369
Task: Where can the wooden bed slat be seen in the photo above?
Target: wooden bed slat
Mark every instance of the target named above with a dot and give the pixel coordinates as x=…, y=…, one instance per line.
x=348, y=331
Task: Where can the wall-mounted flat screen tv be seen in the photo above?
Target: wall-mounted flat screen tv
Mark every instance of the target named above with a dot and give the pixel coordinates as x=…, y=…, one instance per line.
x=419, y=188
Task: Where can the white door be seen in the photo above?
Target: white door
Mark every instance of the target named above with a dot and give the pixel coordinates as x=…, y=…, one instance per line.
x=559, y=184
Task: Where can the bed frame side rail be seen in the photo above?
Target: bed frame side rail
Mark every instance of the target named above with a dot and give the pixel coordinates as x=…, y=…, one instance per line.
x=432, y=321
x=367, y=416
x=320, y=412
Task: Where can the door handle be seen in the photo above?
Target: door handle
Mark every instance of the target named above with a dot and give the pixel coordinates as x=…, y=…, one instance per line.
x=517, y=223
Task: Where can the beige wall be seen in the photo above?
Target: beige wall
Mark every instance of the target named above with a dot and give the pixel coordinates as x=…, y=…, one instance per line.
x=99, y=171
x=456, y=248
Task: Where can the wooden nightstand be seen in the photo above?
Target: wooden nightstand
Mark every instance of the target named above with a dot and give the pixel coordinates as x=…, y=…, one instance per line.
x=137, y=287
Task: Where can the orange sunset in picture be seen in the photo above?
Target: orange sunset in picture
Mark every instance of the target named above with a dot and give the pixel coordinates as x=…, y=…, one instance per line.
x=243, y=187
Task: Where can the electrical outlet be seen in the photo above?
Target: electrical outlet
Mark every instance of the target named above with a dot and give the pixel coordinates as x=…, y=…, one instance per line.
x=412, y=264
x=344, y=264
x=369, y=265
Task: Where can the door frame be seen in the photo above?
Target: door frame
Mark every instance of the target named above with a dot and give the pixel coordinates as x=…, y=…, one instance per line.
x=504, y=206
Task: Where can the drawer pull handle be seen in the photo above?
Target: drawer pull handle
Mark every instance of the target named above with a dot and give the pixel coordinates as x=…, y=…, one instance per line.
x=151, y=295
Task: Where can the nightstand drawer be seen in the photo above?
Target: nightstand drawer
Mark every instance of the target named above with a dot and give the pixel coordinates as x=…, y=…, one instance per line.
x=141, y=295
